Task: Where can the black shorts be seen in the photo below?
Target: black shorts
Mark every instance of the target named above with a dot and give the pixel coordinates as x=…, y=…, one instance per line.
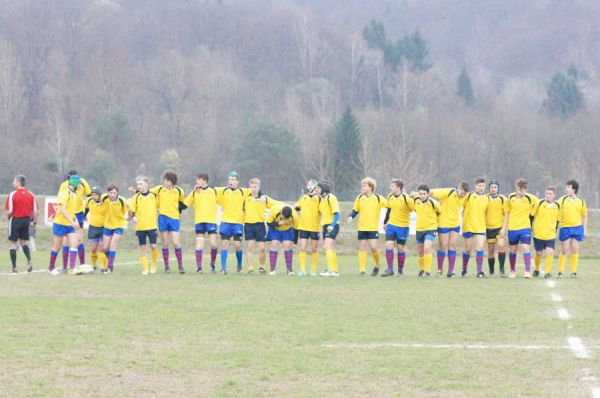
x=95, y=234
x=296, y=233
x=492, y=233
x=308, y=235
x=368, y=235
x=18, y=229
x=150, y=234
x=256, y=231
x=333, y=234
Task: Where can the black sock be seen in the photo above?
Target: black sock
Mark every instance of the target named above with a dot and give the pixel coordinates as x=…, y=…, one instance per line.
x=13, y=257
x=491, y=263
x=501, y=259
x=26, y=252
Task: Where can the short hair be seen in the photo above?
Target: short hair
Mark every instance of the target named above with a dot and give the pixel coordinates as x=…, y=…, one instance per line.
x=480, y=180
x=21, y=179
x=521, y=183
x=170, y=176
x=551, y=188
x=202, y=176
x=370, y=182
x=464, y=186
x=423, y=187
x=286, y=211
x=254, y=180
x=111, y=187
x=142, y=179
x=325, y=186
x=398, y=182
x=574, y=184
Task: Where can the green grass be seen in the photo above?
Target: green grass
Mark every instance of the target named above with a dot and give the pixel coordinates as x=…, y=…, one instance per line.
x=238, y=335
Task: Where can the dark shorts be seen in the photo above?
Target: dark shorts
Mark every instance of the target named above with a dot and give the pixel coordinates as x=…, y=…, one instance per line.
x=255, y=231
x=18, y=229
x=331, y=235
x=150, y=235
x=80, y=218
x=422, y=236
x=95, y=233
x=308, y=235
x=205, y=227
x=368, y=235
x=541, y=244
x=492, y=234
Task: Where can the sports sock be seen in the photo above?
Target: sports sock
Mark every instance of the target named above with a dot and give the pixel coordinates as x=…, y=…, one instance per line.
x=451, y=261
x=421, y=261
x=111, y=259
x=154, y=257
x=548, y=264
x=574, y=262
x=179, y=255
x=273, y=259
x=375, y=255
x=165, y=254
x=401, y=260
x=72, y=258
x=465, y=264
x=389, y=258
x=512, y=259
x=238, y=256
x=53, y=256
x=537, y=259
x=314, y=261
x=81, y=252
x=289, y=258
x=440, y=260
x=362, y=261
x=527, y=259
x=144, y=261
x=65, y=256
x=224, y=254
x=199, y=259
x=491, y=263
x=13, y=257
x=94, y=256
x=479, y=261
x=213, y=256
x=428, y=259
x=501, y=260
x=335, y=262
x=329, y=257
x=302, y=256
x=562, y=263
x=103, y=259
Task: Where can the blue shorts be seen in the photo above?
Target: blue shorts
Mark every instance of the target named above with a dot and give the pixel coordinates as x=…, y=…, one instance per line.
x=62, y=230
x=368, y=235
x=80, y=218
x=469, y=235
x=519, y=236
x=150, y=235
x=111, y=232
x=447, y=230
x=422, y=236
x=571, y=233
x=540, y=244
x=95, y=234
x=308, y=235
x=394, y=232
x=206, y=227
x=229, y=230
x=167, y=224
x=334, y=232
x=255, y=231
x=280, y=236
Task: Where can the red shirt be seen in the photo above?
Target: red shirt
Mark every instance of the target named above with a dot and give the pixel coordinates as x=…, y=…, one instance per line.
x=21, y=203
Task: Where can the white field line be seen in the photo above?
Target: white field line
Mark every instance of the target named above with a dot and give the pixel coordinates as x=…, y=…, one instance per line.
x=35, y=271
x=578, y=348
x=373, y=346
x=595, y=392
x=563, y=314
x=556, y=297
x=550, y=283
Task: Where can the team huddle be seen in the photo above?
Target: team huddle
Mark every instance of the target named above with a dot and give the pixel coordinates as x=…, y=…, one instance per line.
x=483, y=216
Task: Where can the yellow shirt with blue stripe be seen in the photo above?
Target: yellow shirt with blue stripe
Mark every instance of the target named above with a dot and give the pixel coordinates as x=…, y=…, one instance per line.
x=169, y=200
x=450, y=208
x=310, y=219
x=276, y=217
x=400, y=208
x=95, y=212
x=204, y=202
x=232, y=202
x=328, y=207
x=474, y=213
x=369, y=208
x=145, y=207
x=572, y=211
x=68, y=200
x=520, y=211
x=115, y=212
x=83, y=190
x=545, y=221
x=428, y=213
x=497, y=208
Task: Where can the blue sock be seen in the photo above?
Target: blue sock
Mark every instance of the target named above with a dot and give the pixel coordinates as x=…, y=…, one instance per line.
x=224, y=254
x=238, y=256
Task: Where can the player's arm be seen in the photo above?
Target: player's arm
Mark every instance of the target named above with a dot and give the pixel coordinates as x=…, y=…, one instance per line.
x=8, y=206
x=87, y=190
x=355, y=210
x=34, y=213
x=584, y=219
x=335, y=209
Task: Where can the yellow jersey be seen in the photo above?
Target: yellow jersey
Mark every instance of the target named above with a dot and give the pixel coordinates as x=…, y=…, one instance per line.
x=400, y=208
x=369, y=208
x=115, y=212
x=572, y=211
x=328, y=207
x=95, y=212
x=169, y=200
x=145, y=208
x=275, y=217
x=451, y=205
x=428, y=213
x=545, y=222
x=204, y=202
x=520, y=210
x=255, y=209
x=474, y=213
x=68, y=200
x=310, y=219
x=232, y=202
x=83, y=190
x=497, y=208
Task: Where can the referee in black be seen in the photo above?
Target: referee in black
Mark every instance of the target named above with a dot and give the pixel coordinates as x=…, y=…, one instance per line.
x=22, y=212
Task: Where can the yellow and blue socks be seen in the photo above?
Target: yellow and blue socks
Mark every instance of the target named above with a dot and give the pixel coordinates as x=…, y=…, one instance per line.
x=65, y=256
x=389, y=258
x=512, y=258
x=465, y=264
x=289, y=257
x=179, y=256
x=401, y=260
x=362, y=261
x=527, y=259
x=199, y=260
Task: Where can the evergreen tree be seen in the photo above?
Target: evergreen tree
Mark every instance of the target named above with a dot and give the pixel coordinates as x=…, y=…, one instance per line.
x=345, y=148
x=563, y=96
x=417, y=52
x=464, y=89
x=375, y=36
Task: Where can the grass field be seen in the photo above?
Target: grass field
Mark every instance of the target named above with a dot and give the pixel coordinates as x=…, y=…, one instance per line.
x=238, y=335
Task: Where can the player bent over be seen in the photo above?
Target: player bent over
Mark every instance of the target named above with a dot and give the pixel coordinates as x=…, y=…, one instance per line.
x=282, y=221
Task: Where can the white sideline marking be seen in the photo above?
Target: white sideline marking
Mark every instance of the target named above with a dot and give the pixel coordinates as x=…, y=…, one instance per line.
x=563, y=314
x=556, y=297
x=596, y=392
x=35, y=271
x=550, y=283
x=578, y=348
x=371, y=346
